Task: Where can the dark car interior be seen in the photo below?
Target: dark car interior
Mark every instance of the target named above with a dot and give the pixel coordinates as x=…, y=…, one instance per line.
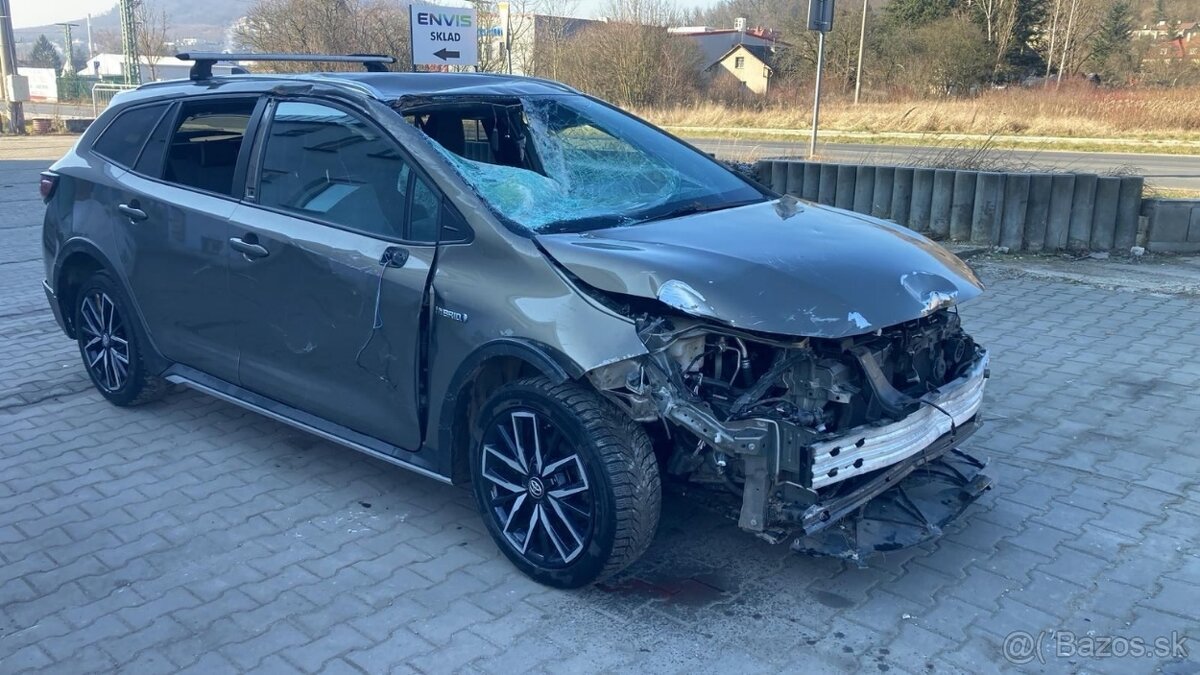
x=483, y=132
x=204, y=149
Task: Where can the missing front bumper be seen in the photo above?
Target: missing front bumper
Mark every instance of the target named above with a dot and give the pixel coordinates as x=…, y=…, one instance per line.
x=912, y=510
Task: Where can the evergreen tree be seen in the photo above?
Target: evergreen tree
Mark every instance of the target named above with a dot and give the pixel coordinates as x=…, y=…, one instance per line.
x=915, y=13
x=1112, y=53
x=44, y=55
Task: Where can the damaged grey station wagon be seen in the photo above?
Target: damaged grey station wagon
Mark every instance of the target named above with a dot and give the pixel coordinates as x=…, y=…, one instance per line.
x=502, y=281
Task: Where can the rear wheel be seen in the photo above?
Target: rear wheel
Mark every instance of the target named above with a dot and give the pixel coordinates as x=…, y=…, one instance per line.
x=568, y=485
x=110, y=345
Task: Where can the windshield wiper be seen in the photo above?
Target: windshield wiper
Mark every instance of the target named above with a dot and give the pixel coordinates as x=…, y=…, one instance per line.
x=696, y=207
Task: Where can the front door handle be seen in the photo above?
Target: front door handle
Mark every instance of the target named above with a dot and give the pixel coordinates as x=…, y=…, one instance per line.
x=250, y=250
x=132, y=212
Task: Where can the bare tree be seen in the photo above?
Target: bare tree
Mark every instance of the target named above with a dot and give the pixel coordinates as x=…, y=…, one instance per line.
x=152, y=34
x=552, y=32
x=326, y=27
x=632, y=59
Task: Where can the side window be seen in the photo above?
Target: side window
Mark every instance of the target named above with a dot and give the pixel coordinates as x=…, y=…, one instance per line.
x=424, y=219
x=204, y=146
x=123, y=139
x=155, y=151
x=323, y=162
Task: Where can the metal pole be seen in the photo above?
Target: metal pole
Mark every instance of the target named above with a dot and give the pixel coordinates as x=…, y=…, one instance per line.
x=862, y=38
x=91, y=46
x=8, y=68
x=812, y=144
x=68, y=47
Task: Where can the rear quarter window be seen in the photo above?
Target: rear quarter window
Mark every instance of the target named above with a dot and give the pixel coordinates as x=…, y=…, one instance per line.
x=123, y=139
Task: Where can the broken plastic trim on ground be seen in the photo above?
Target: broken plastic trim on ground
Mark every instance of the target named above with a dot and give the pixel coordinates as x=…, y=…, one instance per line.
x=575, y=164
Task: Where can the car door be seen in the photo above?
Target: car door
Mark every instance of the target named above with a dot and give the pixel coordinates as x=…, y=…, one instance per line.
x=334, y=246
x=173, y=225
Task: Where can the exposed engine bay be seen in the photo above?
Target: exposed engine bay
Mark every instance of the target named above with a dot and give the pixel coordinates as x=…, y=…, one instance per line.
x=806, y=431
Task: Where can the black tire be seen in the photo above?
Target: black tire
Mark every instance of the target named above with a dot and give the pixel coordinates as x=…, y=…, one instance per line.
x=111, y=345
x=587, y=442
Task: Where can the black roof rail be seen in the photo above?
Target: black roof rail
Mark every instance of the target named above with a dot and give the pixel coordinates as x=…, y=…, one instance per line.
x=202, y=68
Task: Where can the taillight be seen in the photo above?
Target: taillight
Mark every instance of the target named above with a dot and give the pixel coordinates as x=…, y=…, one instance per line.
x=49, y=181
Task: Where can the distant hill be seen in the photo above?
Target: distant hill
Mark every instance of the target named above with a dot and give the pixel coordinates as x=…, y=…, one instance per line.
x=206, y=19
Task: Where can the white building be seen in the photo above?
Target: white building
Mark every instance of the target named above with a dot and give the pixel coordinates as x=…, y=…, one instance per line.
x=152, y=68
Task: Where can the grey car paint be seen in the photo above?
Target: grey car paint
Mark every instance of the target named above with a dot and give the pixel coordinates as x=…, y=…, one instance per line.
x=544, y=317
x=806, y=270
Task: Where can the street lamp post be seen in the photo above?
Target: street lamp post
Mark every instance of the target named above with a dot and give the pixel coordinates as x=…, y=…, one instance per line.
x=820, y=19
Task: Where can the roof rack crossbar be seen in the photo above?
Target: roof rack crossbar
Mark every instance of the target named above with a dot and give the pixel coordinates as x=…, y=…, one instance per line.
x=203, y=61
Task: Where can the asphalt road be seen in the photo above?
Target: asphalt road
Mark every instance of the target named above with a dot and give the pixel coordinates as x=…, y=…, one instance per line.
x=1169, y=171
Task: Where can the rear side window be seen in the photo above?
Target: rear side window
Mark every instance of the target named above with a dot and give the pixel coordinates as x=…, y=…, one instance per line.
x=123, y=139
x=204, y=147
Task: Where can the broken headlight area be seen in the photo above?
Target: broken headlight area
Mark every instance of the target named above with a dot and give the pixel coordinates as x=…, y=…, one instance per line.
x=802, y=435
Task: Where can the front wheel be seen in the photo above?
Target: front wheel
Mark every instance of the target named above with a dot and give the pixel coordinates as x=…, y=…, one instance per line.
x=568, y=485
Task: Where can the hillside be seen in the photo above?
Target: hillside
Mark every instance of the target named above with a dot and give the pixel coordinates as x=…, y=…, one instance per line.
x=187, y=18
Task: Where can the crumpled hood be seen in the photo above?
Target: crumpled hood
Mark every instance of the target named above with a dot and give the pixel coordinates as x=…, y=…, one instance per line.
x=778, y=267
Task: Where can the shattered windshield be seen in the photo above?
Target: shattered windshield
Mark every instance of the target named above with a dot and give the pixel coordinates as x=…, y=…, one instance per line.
x=567, y=163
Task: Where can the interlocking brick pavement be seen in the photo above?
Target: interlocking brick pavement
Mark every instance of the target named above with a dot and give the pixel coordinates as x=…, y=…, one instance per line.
x=191, y=535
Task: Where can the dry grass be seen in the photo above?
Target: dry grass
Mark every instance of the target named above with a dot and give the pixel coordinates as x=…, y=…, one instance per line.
x=1078, y=112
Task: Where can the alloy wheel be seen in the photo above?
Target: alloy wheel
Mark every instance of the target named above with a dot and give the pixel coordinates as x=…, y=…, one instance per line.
x=106, y=342
x=537, y=491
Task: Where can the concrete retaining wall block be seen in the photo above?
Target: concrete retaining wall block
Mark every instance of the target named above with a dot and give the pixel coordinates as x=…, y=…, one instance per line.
x=1104, y=214
x=795, y=178
x=779, y=172
x=1016, y=206
x=864, y=188
x=881, y=202
x=828, y=184
x=962, y=205
x=1038, y=212
x=1129, y=204
x=922, y=200
x=812, y=182
x=844, y=196
x=939, y=203
x=1083, y=207
x=1062, y=198
x=902, y=190
x=985, y=219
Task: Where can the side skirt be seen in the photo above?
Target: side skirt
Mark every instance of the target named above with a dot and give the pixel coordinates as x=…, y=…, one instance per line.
x=294, y=417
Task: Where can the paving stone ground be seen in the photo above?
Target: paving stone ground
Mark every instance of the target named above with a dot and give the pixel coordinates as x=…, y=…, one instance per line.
x=191, y=535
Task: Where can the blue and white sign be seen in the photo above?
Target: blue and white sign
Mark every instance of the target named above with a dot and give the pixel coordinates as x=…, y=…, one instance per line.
x=444, y=36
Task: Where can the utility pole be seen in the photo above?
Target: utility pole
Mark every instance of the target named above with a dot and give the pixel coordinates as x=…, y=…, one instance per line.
x=812, y=141
x=68, y=48
x=91, y=45
x=8, y=70
x=862, y=39
x=820, y=19
x=133, y=65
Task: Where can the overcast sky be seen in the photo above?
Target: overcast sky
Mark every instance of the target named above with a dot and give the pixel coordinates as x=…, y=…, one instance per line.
x=41, y=12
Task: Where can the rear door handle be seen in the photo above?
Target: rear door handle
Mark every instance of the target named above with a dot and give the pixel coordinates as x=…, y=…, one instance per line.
x=132, y=211
x=251, y=251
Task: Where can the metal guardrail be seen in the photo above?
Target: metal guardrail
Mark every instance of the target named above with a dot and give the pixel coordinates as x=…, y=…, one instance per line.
x=104, y=91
